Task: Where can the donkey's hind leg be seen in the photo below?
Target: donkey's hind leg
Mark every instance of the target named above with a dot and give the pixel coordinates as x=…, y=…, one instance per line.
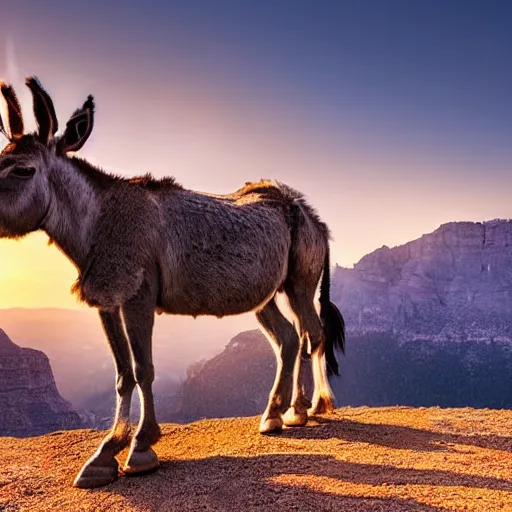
x=102, y=467
x=297, y=414
x=311, y=330
x=322, y=401
x=285, y=342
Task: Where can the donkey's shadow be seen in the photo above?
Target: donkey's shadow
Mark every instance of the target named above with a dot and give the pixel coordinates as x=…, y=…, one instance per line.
x=291, y=481
x=395, y=436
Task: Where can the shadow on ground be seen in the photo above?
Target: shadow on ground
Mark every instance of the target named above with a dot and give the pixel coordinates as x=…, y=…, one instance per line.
x=246, y=484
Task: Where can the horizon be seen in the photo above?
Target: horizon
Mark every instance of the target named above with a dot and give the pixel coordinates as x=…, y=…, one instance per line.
x=77, y=306
x=72, y=304
x=392, y=119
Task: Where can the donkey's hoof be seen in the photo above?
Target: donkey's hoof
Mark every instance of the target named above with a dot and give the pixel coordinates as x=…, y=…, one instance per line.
x=321, y=406
x=271, y=426
x=96, y=474
x=141, y=462
x=295, y=418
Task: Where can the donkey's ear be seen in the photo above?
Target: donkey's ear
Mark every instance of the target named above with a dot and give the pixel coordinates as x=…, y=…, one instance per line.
x=44, y=111
x=15, y=120
x=78, y=128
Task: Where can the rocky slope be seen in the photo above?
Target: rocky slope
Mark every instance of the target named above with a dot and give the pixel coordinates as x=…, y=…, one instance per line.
x=454, y=284
x=234, y=383
x=377, y=370
x=358, y=460
x=30, y=403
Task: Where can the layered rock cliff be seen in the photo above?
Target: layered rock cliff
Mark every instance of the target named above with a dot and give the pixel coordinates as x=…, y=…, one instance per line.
x=454, y=284
x=30, y=403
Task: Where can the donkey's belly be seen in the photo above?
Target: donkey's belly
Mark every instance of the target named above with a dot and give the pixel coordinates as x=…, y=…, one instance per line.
x=230, y=289
x=222, y=298
x=225, y=306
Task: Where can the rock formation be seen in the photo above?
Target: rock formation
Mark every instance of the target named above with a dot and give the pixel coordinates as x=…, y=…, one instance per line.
x=30, y=403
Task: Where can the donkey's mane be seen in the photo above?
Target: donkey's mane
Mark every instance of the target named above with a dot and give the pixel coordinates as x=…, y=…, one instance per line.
x=103, y=179
x=149, y=182
x=24, y=145
x=94, y=174
x=260, y=187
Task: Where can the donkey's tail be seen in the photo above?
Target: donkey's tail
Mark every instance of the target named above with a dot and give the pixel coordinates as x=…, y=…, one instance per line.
x=334, y=325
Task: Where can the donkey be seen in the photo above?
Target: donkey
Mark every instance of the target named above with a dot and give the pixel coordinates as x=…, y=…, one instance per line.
x=143, y=245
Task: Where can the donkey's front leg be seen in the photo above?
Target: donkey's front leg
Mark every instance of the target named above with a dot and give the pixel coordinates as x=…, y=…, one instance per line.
x=139, y=314
x=101, y=468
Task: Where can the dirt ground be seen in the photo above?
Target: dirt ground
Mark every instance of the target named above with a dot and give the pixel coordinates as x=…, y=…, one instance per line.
x=357, y=459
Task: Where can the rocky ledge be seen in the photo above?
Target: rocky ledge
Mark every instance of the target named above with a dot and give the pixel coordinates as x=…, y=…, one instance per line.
x=360, y=460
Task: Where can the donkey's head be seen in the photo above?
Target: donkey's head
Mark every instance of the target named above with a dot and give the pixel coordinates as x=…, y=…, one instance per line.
x=28, y=160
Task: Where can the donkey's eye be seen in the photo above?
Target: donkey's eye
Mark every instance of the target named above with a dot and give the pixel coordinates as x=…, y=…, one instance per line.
x=22, y=173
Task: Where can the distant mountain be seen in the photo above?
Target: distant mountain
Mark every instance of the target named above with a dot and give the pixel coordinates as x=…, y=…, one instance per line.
x=30, y=403
x=80, y=357
x=454, y=284
x=429, y=323
x=234, y=383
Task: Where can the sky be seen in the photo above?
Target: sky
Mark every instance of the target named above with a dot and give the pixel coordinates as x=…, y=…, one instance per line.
x=393, y=117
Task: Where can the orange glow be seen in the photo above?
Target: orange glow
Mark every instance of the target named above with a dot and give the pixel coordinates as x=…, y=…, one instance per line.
x=32, y=274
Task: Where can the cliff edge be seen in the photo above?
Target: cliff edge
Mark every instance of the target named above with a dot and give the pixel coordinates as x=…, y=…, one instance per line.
x=357, y=459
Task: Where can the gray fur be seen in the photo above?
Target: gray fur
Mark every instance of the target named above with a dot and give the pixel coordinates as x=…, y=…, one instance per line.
x=141, y=245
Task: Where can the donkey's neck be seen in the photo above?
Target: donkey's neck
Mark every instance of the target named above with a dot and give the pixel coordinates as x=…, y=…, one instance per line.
x=74, y=208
